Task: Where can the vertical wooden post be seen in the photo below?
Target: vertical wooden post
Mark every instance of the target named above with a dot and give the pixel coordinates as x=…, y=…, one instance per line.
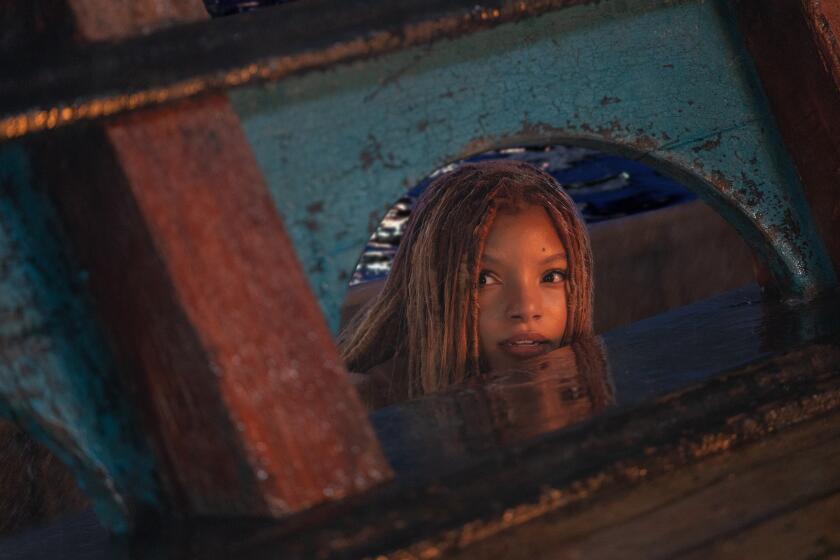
x=245, y=398
x=795, y=48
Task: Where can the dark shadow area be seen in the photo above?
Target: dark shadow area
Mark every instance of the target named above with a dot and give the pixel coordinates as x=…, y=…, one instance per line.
x=35, y=487
x=218, y=8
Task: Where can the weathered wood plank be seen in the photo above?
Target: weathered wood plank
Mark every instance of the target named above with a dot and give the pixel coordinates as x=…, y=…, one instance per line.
x=807, y=531
x=727, y=506
x=196, y=59
x=199, y=290
x=202, y=294
x=469, y=499
x=660, y=249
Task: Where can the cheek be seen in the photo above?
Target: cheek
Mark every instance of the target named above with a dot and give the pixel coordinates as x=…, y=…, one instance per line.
x=487, y=320
x=554, y=312
x=559, y=311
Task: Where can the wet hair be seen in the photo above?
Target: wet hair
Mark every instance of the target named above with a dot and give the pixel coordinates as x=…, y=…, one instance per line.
x=425, y=318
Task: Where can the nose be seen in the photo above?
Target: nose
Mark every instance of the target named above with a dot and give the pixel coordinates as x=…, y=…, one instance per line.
x=523, y=302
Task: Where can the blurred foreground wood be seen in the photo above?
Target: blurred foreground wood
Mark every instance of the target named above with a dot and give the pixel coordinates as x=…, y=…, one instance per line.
x=777, y=498
x=478, y=464
x=222, y=359
x=35, y=487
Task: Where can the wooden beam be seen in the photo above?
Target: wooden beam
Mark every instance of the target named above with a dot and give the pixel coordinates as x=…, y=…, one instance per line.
x=221, y=342
x=198, y=285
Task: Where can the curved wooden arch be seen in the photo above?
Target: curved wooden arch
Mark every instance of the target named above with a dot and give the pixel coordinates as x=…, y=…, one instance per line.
x=782, y=252
x=338, y=147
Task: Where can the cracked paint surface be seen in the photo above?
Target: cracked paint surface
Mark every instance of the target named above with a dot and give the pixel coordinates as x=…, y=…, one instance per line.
x=666, y=82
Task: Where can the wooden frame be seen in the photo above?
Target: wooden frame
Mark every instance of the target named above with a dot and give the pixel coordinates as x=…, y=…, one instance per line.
x=185, y=279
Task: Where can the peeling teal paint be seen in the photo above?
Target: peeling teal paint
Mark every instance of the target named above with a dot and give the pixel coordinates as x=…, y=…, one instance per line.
x=56, y=376
x=665, y=81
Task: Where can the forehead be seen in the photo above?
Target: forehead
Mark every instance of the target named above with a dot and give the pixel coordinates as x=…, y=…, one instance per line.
x=523, y=228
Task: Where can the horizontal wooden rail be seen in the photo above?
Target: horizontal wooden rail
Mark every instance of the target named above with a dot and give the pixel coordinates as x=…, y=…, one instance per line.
x=108, y=78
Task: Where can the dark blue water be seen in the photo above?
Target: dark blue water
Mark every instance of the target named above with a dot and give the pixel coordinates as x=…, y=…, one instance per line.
x=603, y=186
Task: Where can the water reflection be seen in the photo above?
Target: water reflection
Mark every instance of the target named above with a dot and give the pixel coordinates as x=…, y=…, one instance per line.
x=444, y=432
x=625, y=368
x=558, y=389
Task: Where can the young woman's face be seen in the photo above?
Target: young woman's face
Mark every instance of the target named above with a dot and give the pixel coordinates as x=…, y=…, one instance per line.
x=522, y=288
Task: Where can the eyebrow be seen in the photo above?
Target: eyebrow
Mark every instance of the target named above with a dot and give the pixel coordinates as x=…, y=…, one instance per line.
x=555, y=257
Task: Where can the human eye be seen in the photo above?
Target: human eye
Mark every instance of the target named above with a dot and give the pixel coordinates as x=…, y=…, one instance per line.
x=556, y=276
x=487, y=278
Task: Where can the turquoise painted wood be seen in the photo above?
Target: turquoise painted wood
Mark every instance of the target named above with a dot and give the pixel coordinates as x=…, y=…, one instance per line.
x=56, y=376
x=667, y=82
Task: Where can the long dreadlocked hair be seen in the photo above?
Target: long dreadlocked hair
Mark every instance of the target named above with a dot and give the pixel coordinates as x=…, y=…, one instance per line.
x=427, y=312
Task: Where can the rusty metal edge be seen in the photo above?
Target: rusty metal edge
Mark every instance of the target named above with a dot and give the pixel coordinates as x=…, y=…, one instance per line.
x=106, y=79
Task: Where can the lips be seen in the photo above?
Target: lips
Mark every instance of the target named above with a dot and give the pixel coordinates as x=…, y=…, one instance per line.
x=526, y=345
